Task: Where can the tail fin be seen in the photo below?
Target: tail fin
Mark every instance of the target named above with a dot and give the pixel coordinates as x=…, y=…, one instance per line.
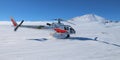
x=13, y=22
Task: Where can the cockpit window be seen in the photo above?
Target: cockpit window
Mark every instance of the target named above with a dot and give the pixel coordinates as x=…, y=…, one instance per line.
x=65, y=28
x=72, y=30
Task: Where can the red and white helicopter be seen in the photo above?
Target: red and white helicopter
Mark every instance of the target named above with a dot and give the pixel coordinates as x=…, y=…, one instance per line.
x=61, y=31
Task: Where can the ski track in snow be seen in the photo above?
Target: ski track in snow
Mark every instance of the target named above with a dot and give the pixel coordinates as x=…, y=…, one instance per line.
x=106, y=42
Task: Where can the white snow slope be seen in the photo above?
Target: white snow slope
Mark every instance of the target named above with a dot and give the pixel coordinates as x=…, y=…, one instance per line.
x=32, y=44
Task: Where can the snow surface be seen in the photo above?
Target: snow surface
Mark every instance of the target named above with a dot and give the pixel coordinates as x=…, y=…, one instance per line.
x=92, y=41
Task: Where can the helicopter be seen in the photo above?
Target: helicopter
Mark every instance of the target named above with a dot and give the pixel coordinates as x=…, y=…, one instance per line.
x=61, y=31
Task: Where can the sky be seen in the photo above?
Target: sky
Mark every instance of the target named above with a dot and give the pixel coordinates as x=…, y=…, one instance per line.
x=35, y=10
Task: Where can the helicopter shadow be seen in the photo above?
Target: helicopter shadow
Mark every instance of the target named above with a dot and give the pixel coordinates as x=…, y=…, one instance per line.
x=80, y=38
x=41, y=39
x=71, y=38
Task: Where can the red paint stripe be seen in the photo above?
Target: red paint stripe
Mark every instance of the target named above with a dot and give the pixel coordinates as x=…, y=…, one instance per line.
x=58, y=30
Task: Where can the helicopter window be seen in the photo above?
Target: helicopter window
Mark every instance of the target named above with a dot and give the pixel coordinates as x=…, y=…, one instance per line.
x=65, y=28
x=71, y=30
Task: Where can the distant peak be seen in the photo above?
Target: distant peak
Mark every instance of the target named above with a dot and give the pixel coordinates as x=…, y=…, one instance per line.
x=89, y=15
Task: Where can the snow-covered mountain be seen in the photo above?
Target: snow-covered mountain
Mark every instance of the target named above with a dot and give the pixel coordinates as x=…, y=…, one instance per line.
x=89, y=18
